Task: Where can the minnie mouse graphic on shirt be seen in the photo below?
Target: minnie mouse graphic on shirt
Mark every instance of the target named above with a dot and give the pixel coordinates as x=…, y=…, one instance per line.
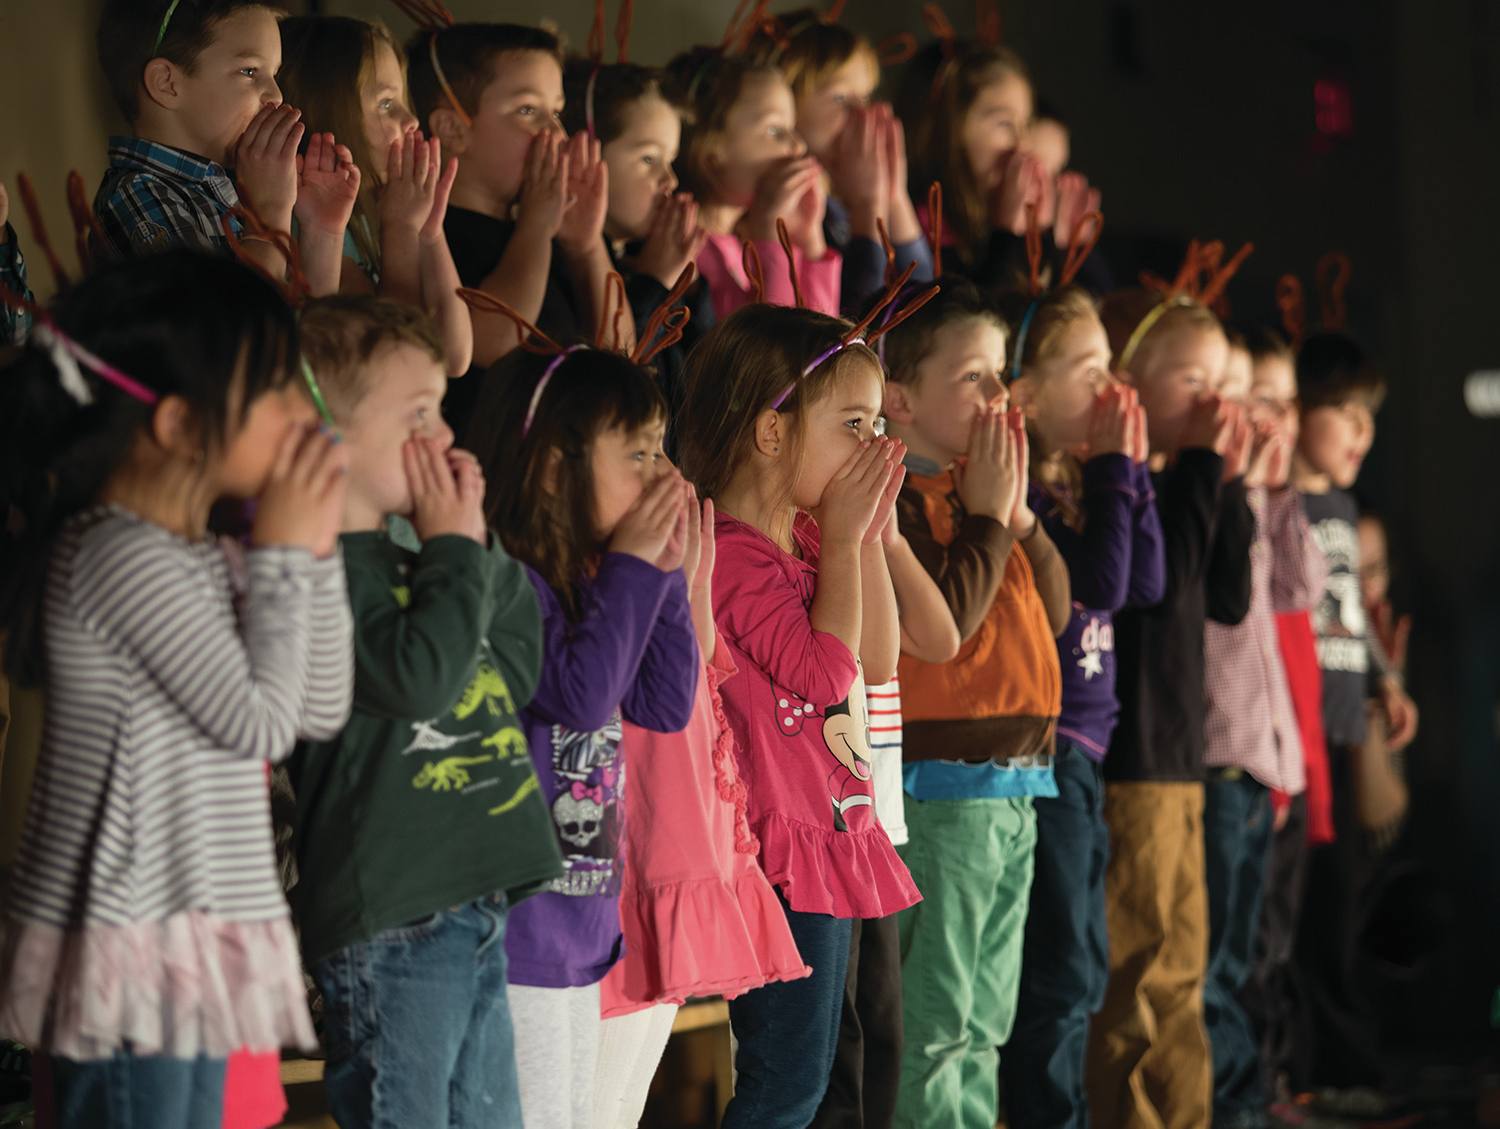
x=846, y=736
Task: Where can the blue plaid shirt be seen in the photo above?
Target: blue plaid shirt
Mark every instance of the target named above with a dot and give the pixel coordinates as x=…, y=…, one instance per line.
x=154, y=197
x=14, y=324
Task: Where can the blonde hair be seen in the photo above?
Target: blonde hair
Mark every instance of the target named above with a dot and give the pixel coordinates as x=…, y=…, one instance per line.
x=739, y=369
x=1125, y=313
x=704, y=84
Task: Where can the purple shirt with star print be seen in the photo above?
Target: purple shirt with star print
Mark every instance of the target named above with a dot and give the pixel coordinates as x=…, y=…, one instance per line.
x=1109, y=534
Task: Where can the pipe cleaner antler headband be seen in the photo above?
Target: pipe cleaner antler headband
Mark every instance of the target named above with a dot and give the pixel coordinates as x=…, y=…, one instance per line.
x=1084, y=239
x=861, y=333
x=1201, y=280
x=433, y=17
x=663, y=329
x=1331, y=276
x=596, y=53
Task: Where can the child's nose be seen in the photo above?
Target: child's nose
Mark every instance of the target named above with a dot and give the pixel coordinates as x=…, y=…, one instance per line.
x=441, y=434
x=796, y=144
x=668, y=178
x=271, y=95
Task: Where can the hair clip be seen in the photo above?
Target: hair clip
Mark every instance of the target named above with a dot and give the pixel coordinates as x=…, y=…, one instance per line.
x=784, y=237
x=755, y=273
x=1332, y=276
x=1292, y=303
x=161, y=32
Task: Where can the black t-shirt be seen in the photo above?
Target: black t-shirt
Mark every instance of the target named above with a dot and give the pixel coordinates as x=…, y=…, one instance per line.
x=477, y=242
x=1338, y=618
x=1207, y=529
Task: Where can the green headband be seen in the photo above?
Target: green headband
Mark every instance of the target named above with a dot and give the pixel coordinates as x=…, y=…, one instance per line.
x=161, y=32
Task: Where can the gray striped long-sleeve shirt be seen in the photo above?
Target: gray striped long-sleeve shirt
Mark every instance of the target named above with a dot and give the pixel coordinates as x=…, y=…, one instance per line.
x=171, y=684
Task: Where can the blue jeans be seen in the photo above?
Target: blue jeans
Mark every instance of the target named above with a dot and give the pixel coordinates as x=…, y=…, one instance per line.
x=418, y=1026
x=131, y=1091
x=1236, y=842
x=1066, y=962
x=788, y=1031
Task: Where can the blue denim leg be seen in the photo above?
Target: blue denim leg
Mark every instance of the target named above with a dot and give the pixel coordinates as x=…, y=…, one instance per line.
x=1066, y=961
x=130, y=1091
x=1236, y=838
x=418, y=1027
x=787, y=1032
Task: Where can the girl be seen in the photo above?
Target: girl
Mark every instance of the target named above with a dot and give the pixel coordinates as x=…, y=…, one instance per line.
x=652, y=229
x=833, y=71
x=969, y=106
x=1091, y=491
x=147, y=941
x=351, y=79
x=779, y=431
x=699, y=917
x=583, y=496
x=745, y=164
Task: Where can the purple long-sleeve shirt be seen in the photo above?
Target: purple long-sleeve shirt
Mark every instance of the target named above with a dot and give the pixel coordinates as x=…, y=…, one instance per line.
x=1114, y=561
x=633, y=653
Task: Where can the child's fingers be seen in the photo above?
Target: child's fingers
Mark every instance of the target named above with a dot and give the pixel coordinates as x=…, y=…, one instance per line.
x=393, y=161
x=416, y=472
x=420, y=159
x=286, y=453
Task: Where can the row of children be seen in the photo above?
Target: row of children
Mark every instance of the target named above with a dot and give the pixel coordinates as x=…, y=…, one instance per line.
x=1065, y=542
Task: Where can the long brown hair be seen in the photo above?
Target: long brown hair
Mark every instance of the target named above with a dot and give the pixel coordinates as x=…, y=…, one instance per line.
x=541, y=486
x=739, y=369
x=325, y=63
x=939, y=87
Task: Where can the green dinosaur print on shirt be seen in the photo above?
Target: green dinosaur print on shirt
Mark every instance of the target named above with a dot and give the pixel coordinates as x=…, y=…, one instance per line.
x=448, y=774
x=487, y=689
x=508, y=742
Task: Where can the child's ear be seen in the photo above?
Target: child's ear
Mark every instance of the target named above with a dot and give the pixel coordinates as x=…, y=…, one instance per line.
x=173, y=428
x=771, y=433
x=1023, y=394
x=898, y=406
x=450, y=129
x=159, y=81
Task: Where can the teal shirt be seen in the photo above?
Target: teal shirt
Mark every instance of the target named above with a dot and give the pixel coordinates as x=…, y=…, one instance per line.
x=960, y=780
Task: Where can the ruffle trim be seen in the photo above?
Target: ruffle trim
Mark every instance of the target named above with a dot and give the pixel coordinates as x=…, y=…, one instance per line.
x=727, y=780
x=841, y=873
x=187, y=985
x=700, y=938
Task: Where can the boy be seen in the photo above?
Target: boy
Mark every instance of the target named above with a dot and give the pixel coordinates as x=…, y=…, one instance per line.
x=422, y=823
x=979, y=730
x=196, y=81
x=1148, y=1058
x=493, y=94
x=1340, y=391
x=1252, y=746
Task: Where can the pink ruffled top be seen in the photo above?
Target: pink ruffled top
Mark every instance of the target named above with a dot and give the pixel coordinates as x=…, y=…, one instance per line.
x=698, y=915
x=801, y=724
x=721, y=263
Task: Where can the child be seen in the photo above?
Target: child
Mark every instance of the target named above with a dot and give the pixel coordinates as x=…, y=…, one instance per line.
x=979, y=729
x=697, y=914
x=652, y=229
x=1092, y=493
x=778, y=429
x=150, y=940
x=581, y=495
x=527, y=218
x=1340, y=389
x=1252, y=746
x=348, y=76
x=1148, y=1058
x=833, y=71
x=197, y=83
x=420, y=824
x=745, y=164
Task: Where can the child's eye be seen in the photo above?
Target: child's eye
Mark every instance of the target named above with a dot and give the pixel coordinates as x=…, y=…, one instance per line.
x=526, y=111
x=779, y=132
x=973, y=377
x=854, y=424
x=249, y=72
x=385, y=105
x=648, y=160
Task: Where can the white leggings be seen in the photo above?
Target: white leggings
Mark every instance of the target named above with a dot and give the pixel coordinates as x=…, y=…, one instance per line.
x=557, y=1045
x=630, y=1049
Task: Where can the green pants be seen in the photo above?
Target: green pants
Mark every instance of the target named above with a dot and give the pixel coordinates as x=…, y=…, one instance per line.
x=961, y=956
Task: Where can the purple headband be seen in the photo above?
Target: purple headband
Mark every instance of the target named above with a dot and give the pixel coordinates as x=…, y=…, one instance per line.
x=822, y=358
x=541, y=385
